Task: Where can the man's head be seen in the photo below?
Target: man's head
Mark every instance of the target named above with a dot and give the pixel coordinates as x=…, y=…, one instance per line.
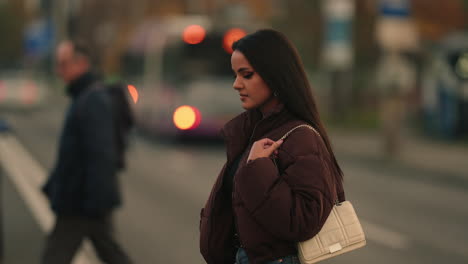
x=72, y=60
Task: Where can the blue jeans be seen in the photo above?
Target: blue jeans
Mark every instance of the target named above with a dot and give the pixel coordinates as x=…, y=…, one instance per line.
x=241, y=258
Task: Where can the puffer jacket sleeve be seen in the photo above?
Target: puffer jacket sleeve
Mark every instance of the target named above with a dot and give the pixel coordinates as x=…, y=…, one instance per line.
x=292, y=205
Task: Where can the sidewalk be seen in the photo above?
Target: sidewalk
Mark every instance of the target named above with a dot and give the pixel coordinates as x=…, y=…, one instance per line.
x=439, y=158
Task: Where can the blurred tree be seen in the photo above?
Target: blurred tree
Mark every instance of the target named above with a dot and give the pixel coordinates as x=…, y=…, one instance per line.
x=365, y=55
x=107, y=25
x=436, y=18
x=302, y=23
x=12, y=20
x=365, y=46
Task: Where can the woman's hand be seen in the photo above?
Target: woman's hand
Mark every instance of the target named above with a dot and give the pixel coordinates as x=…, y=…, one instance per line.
x=264, y=148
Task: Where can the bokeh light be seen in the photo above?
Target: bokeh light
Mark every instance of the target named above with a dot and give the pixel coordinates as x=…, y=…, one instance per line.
x=232, y=36
x=133, y=93
x=462, y=66
x=186, y=117
x=194, y=34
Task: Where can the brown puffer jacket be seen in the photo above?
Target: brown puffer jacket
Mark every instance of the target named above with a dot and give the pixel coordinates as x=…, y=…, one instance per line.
x=271, y=207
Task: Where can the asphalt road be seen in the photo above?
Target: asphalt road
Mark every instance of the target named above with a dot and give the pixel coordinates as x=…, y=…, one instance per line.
x=407, y=218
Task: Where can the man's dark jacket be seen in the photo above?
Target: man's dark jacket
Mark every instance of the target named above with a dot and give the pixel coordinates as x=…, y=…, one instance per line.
x=272, y=206
x=84, y=181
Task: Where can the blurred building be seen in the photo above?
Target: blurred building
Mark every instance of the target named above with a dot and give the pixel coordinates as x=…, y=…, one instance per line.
x=436, y=19
x=109, y=24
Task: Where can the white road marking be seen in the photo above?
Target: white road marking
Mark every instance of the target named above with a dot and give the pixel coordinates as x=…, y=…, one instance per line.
x=28, y=176
x=384, y=236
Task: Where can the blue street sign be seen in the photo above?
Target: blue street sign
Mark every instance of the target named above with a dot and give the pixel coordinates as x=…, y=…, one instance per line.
x=38, y=38
x=394, y=8
x=339, y=31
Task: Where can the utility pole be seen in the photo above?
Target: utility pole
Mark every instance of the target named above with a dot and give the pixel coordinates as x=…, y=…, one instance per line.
x=60, y=19
x=395, y=75
x=338, y=52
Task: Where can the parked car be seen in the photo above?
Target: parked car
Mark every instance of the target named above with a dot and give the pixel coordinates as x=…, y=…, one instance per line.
x=445, y=88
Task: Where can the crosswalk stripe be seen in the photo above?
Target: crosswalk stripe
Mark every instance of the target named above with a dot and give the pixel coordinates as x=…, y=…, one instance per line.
x=28, y=175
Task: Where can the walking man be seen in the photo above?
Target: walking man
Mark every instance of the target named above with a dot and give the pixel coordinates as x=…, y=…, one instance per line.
x=83, y=188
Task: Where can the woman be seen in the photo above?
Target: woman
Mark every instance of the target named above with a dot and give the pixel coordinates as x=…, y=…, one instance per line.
x=270, y=194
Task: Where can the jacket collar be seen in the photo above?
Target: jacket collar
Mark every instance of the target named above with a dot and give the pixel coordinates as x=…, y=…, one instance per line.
x=250, y=126
x=275, y=110
x=82, y=83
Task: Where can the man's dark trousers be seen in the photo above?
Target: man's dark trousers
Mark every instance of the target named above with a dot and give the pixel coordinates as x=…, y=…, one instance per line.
x=69, y=233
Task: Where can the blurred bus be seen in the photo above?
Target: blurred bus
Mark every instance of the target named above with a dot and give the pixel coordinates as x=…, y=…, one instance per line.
x=189, y=94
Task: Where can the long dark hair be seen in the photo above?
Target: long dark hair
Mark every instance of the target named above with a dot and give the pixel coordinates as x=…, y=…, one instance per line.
x=277, y=61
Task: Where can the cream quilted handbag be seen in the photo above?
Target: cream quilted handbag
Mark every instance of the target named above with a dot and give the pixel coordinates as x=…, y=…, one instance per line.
x=341, y=233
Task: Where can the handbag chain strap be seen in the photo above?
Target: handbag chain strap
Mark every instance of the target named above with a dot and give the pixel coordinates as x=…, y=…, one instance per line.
x=299, y=126
x=337, y=202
